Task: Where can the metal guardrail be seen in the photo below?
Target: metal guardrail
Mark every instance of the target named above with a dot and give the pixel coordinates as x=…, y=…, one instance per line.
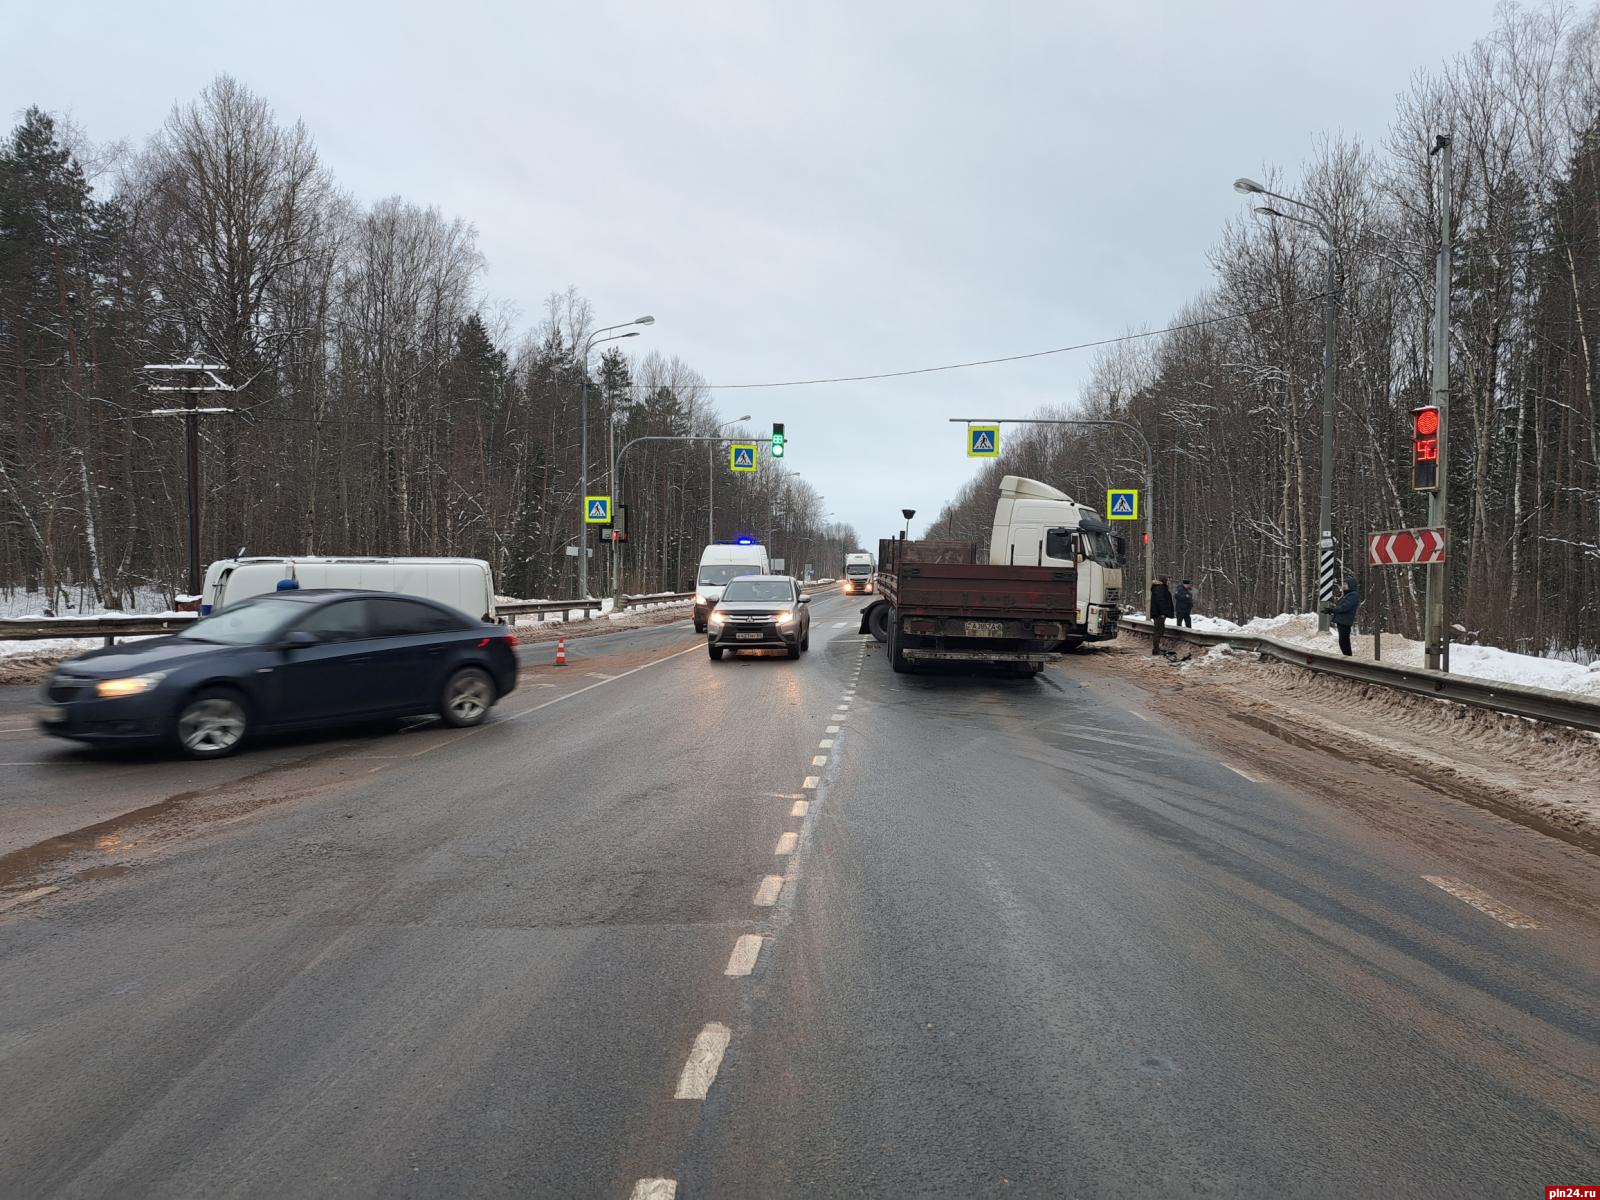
x=1517, y=700
x=112, y=627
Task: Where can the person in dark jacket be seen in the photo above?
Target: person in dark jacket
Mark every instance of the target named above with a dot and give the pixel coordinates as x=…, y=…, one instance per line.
x=1344, y=612
x=1160, y=610
x=1183, y=599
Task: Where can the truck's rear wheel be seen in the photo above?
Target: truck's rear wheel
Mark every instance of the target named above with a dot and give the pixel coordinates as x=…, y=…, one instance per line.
x=878, y=622
x=897, y=657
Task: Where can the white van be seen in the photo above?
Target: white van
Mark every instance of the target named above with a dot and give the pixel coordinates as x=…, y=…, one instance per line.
x=464, y=584
x=721, y=562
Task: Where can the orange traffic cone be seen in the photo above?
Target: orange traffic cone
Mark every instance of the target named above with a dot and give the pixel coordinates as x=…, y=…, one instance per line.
x=561, y=652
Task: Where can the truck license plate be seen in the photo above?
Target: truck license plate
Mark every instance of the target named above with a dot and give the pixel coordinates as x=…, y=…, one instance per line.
x=985, y=628
x=753, y=636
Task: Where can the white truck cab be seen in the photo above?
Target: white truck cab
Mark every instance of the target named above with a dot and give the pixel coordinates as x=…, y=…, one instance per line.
x=859, y=572
x=721, y=562
x=1038, y=525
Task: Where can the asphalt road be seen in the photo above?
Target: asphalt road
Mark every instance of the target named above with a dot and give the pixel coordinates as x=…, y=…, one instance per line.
x=1028, y=938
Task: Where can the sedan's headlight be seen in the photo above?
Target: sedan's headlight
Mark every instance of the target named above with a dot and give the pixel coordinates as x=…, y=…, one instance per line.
x=717, y=618
x=133, y=685
x=784, y=617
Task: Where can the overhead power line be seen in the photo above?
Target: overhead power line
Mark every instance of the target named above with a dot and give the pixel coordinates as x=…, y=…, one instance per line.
x=989, y=362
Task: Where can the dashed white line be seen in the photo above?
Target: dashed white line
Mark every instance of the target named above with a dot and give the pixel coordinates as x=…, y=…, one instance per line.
x=767, y=893
x=825, y=744
x=745, y=952
x=819, y=760
x=786, y=843
x=1483, y=902
x=654, y=1189
x=810, y=783
x=831, y=729
x=704, y=1059
x=799, y=809
x=1241, y=774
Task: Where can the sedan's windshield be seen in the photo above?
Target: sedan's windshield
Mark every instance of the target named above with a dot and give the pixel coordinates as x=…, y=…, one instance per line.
x=246, y=624
x=767, y=591
x=719, y=573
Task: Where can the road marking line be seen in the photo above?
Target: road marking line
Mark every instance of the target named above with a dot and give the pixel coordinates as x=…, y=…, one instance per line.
x=28, y=898
x=784, y=795
x=799, y=809
x=745, y=952
x=767, y=894
x=654, y=1189
x=825, y=744
x=1241, y=774
x=598, y=675
x=810, y=783
x=786, y=843
x=590, y=687
x=831, y=729
x=1483, y=902
x=841, y=624
x=819, y=760
x=704, y=1059
x=1140, y=715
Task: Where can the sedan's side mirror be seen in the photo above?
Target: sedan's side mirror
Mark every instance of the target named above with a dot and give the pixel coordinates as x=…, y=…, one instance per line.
x=804, y=599
x=299, y=639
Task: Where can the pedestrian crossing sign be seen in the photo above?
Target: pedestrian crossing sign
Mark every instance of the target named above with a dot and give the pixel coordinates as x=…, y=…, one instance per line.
x=597, y=510
x=983, y=441
x=742, y=456
x=1122, y=504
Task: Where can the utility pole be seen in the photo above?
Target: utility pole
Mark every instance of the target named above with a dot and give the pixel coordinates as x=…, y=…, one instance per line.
x=1436, y=651
x=198, y=377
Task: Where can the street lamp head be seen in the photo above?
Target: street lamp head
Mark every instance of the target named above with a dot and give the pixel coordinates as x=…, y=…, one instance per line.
x=1266, y=210
x=634, y=333
x=746, y=417
x=1246, y=186
x=644, y=320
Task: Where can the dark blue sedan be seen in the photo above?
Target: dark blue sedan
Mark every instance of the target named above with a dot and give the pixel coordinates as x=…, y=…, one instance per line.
x=292, y=660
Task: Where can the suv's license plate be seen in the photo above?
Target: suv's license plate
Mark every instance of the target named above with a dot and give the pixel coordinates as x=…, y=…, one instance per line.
x=985, y=628
x=753, y=636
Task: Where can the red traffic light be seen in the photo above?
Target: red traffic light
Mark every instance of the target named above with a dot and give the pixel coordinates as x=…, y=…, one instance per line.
x=1426, y=422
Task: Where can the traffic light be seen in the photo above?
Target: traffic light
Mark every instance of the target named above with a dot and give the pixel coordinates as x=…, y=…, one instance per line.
x=777, y=439
x=1425, y=449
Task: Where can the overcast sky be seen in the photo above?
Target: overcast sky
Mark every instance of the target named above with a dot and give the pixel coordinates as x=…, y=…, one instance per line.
x=796, y=190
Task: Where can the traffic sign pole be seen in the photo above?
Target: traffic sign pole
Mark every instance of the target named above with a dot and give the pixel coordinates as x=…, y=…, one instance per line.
x=1436, y=649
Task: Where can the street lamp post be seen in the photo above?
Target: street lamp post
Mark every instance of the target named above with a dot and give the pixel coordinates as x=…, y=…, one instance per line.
x=711, y=481
x=1327, y=560
x=589, y=343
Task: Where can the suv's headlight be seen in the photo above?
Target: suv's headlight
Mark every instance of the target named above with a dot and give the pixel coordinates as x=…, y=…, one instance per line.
x=784, y=617
x=716, y=618
x=133, y=685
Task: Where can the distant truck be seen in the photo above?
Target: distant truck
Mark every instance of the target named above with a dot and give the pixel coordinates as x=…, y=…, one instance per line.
x=937, y=603
x=465, y=584
x=1039, y=525
x=859, y=569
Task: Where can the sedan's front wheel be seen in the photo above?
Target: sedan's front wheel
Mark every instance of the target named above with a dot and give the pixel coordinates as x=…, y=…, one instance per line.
x=211, y=723
x=468, y=697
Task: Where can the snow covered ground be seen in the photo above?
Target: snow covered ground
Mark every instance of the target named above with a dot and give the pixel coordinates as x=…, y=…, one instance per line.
x=1480, y=662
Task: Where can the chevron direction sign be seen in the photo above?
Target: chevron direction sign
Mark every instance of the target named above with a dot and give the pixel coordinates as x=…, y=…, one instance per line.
x=1406, y=548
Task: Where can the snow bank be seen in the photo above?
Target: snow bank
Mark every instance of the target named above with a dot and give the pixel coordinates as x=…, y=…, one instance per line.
x=1479, y=662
